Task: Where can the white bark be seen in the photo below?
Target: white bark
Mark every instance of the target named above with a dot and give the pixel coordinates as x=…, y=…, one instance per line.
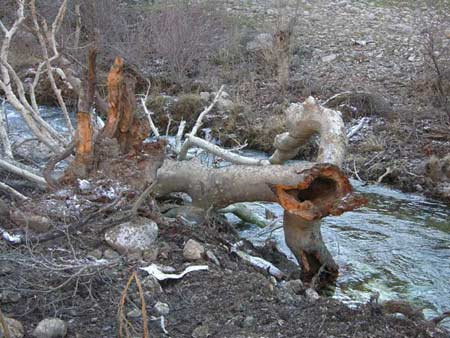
x=18, y=100
x=28, y=174
x=51, y=37
x=223, y=153
x=149, y=117
x=304, y=120
x=186, y=145
x=4, y=139
x=13, y=192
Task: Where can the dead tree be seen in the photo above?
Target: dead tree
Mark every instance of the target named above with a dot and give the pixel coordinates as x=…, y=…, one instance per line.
x=308, y=191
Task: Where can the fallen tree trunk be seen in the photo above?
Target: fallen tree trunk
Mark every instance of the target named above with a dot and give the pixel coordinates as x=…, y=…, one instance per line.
x=307, y=192
x=306, y=189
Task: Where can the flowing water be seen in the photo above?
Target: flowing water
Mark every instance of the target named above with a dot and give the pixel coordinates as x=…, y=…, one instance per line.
x=398, y=245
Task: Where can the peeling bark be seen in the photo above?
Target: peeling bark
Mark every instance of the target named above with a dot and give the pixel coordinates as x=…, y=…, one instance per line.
x=304, y=120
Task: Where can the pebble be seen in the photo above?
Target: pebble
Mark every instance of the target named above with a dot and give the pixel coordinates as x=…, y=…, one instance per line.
x=50, y=328
x=249, y=321
x=7, y=296
x=152, y=285
x=329, y=58
x=201, y=331
x=296, y=286
x=193, y=250
x=312, y=295
x=110, y=254
x=15, y=328
x=162, y=308
x=212, y=257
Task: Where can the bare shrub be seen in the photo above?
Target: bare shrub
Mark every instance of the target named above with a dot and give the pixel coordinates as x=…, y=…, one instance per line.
x=436, y=52
x=183, y=33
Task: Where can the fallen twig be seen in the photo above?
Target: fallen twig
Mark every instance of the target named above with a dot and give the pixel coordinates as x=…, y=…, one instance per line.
x=121, y=312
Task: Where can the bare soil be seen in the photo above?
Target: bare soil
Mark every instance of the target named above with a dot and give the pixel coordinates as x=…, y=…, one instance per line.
x=232, y=299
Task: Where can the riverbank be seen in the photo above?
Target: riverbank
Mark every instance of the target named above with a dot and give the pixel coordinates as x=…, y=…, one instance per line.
x=230, y=299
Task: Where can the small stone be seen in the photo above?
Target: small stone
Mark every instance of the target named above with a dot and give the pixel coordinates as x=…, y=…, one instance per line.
x=97, y=254
x=205, y=96
x=50, y=328
x=296, y=286
x=134, y=236
x=201, y=331
x=6, y=269
x=329, y=58
x=273, y=281
x=134, y=256
x=249, y=321
x=212, y=257
x=224, y=105
x=7, y=296
x=152, y=285
x=135, y=313
x=419, y=188
x=193, y=250
x=162, y=308
x=151, y=254
x=15, y=328
x=110, y=254
x=312, y=295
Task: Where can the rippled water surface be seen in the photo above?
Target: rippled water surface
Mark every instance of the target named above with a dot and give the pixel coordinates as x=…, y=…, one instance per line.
x=398, y=245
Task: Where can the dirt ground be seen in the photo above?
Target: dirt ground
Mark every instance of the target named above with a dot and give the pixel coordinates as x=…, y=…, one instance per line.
x=231, y=299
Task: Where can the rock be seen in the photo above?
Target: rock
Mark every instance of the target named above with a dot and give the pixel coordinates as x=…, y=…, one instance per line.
x=34, y=222
x=201, y=331
x=15, y=328
x=134, y=236
x=295, y=286
x=110, y=254
x=151, y=254
x=249, y=321
x=191, y=213
x=224, y=104
x=97, y=254
x=152, y=285
x=212, y=257
x=7, y=296
x=205, y=96
x=312, y=295
x=261, y=42
x=162, y=308
x=329, y=58
x=50, y=328
x=193, y=250
x=135, y=313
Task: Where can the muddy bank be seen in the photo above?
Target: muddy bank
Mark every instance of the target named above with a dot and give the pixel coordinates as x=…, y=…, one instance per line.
x=231, y=299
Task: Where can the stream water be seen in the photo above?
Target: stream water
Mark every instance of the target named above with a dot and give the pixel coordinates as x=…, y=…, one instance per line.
x=398, y=245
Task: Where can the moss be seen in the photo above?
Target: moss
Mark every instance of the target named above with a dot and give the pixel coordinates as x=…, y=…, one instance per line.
x=187, y=107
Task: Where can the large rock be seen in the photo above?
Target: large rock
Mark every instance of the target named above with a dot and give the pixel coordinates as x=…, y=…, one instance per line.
x=193, y=250
x=15, y=328
x=50, y=328
x=134, y=236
